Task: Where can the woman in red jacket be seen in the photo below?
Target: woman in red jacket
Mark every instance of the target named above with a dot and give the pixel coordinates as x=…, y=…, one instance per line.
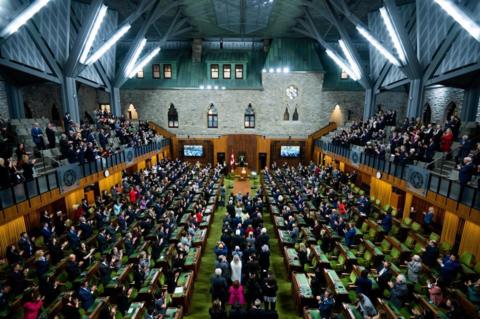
x=446, y=141
x=31, y=306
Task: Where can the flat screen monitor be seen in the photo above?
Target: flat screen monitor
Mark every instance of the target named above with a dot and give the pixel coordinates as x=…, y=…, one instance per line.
x=193, y=151
x=289, y=151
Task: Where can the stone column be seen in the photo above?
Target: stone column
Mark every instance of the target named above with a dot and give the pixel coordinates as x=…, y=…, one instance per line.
x=415, y=98
x=15, y=101
x=470, y=104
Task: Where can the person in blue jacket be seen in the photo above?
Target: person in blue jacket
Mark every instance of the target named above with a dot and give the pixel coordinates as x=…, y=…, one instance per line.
x=326, y=304
x=350, y=235
x=386, y=222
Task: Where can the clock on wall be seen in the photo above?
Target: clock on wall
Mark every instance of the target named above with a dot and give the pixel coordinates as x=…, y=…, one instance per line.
x=292, y=92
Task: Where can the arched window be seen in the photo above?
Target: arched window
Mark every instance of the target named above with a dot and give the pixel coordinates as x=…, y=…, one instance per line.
x=212, y=117
x=249, y=117
x=427, y=114
x=132, y=112
x=295, y=115
x=172, y=116
x=286, y=115
x=450, y=110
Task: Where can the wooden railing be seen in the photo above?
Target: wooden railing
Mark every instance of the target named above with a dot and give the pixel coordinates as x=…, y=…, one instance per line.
x=323, y=131
x=160, y=130
x=317, y=135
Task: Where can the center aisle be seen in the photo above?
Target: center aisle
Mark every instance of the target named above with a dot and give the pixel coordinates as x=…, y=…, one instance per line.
x=201, y=299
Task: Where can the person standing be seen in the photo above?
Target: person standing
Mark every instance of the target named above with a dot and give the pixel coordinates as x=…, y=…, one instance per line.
x=236, y=294
x=270, y=293
x=236, y=269
x=219, y=287
x=50, y=131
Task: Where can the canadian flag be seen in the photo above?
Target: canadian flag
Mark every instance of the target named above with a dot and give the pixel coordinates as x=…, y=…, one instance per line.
x=232, y=160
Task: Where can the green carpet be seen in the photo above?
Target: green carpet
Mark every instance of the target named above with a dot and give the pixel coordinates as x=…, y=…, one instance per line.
x=201, y=299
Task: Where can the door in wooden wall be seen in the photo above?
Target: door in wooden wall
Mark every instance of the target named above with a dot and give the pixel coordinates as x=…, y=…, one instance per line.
x=262, y=160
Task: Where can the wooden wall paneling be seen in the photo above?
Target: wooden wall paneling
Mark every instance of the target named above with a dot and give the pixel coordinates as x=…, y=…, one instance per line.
x=243, y=144
x=207, y=144
x=220, y=145
x=72, y=199
x=275, y=152
x=263, y=146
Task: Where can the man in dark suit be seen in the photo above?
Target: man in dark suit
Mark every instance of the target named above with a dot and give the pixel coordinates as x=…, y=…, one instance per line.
x=105, y=271
x=72, y=268
x=50, y=130
x=256, y=312
x=17, y=280
x=466, y=171
x=102, y=241
x=37, y=136
x=85, y=294
x=219, y=287
x=384, y=274
x=73, y=239
x=26, y=245
x=47, y=233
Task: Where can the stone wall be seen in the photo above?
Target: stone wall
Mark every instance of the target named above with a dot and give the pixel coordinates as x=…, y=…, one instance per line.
x=439, y=98
x=41, y=98
x=314, y=106
x=394, y=100
x=90, y=98
x=5, y=114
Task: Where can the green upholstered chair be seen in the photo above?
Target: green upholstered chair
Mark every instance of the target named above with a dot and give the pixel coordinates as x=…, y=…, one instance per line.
x=364, y=227
x=477, y=268
x=349, y=279
x=312, y=267
x=366, y=259
x=409, y=242
x=394, y=212
x=361, y=192
x=385, y=246
x=467, y=261
x=372, y=234
x=435, y=236
x=359, y=250
x=372, y=198
x=445, y=248
x=395, y=230
x=378, y=202
x=339, y=263
x=386, y=207
x=416, y=227
x=407, y=222
x=394, y=255
x=418, y=248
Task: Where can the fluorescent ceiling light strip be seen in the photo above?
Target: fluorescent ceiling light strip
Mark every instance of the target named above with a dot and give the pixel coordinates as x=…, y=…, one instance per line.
x=93, y=33
x=351, y=60
x=135, y=56
x=144, y=61
x=342, y=64
x=377, y=45
x=108, y=44
x=462, y=18
x=393, y=34
x=23, y=17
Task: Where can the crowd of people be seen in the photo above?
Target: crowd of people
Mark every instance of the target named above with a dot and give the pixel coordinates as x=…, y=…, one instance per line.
x=141, y=209
x=242, y=276
x=79, y=143
x=89, y=140
x=331, y=193
x=413, y=141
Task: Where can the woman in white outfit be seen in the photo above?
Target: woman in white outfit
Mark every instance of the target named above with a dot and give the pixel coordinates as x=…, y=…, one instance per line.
x=236, y=267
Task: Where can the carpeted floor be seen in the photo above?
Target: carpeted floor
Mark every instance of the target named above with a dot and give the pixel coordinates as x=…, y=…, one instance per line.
x=201, y=299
